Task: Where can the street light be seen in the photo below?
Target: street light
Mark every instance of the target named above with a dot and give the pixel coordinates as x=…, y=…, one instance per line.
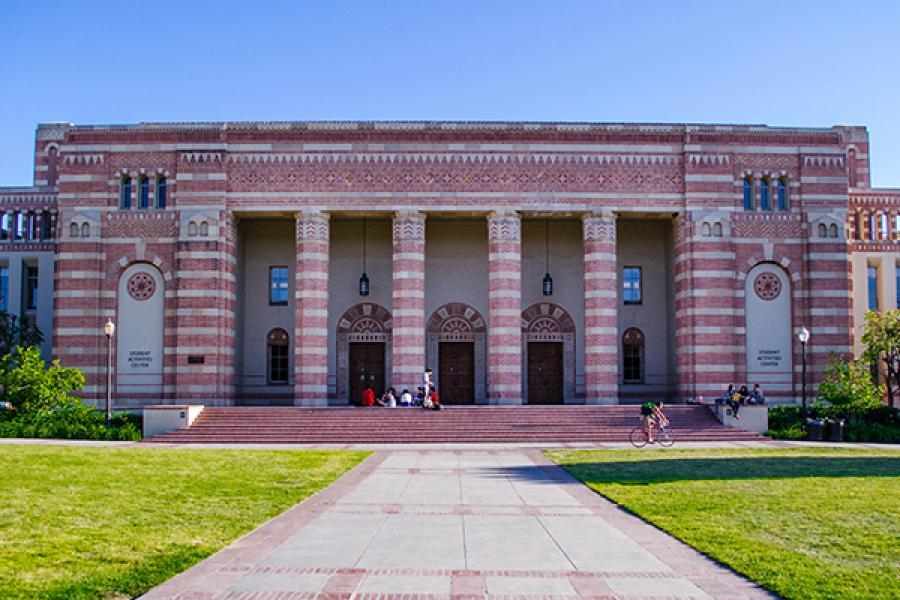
x=803, y=336
x=109, y=328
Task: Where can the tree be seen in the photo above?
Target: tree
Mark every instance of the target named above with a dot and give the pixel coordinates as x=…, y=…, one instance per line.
x=881, y=337
x=34, y=387
x=848, y=386
x=17, y=333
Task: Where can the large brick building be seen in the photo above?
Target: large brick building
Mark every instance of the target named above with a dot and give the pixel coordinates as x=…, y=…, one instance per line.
x=523, y=262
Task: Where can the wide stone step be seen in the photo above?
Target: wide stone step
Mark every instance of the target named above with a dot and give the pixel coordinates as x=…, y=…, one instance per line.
x=492, y=424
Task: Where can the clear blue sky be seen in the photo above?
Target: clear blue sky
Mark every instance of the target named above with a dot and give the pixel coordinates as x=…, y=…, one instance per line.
x=781, y=63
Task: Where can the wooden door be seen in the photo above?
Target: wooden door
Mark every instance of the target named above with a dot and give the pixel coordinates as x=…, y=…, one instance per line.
x=456, y=374
x=366, y=368
x=545, y=373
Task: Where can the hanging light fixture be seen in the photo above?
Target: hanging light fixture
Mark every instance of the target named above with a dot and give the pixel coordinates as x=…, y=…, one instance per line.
x=548, y=281
x=364, y=279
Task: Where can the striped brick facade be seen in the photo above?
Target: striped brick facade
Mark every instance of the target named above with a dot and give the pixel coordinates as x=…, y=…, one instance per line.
x=689, y=178
x=504, y=308
x=311, y=357
x=408, y=295
x=601, y=337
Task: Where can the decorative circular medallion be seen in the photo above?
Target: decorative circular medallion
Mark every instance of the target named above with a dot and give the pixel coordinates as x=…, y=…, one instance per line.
x=141, y=286
x=767, y=286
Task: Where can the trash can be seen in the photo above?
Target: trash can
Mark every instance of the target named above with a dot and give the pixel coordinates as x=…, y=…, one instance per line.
x=835, y=431
x=814, y=430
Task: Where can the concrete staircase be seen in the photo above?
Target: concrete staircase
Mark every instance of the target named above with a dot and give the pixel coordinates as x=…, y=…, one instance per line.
x=484, y=424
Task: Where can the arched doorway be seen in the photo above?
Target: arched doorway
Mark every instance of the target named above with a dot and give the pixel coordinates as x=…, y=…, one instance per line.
x=548, y=358
x=456, y=345
x=767, y=296
x=364, y=350
x=139, y=334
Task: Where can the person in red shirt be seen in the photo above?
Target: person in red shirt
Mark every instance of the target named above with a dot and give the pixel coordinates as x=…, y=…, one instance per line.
x=368, y=396
x=434, y=400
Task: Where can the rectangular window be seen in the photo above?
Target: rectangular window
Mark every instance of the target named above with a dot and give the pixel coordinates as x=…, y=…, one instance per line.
x=31, y=287
x=4, y=288
x=278, y=286
x=631, y=285
x=872, y=275
x=278, y=364
x=631, y=363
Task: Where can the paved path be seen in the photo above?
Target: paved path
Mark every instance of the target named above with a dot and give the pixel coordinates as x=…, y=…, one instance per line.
x=502, y=523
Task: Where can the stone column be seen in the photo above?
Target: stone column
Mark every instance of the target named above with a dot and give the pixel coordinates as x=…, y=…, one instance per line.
x=311, y=316
x=408, y=298
x=601, y=322
x=504, y=308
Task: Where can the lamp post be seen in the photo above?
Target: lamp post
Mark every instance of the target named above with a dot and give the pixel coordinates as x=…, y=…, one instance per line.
x=803, y=336
x=109, y=328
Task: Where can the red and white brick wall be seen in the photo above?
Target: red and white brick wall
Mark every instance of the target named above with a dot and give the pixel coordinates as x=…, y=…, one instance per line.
x=504, y=308
x=311, y=358
x=408, y=299
x=594, y=170
x=601, y=339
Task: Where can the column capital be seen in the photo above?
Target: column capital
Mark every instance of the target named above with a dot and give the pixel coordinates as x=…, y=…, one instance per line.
x=504, y=225
x=312, y=225
x=409, y=225
x=599, y=226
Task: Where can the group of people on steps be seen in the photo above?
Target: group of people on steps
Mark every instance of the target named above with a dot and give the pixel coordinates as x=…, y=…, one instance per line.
x=426, y=396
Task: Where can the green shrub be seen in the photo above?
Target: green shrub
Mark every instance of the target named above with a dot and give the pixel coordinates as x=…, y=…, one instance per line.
x=795, y=432
x=43, y=405
x=863, y=431
x=785, y=416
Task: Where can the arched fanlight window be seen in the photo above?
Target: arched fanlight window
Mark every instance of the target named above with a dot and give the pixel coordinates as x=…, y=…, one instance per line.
x=783, y=189
x=765, y=199
x=833, y=231
x=144, y=193
x=73, y=230
x=192, y=229
x=748, y=193
x=85, y=230
x=633, y=356
x=125, y=193
x=161, y=191
x=707, y=230
x=204, y=229
x=278, y=346
x=823, y=230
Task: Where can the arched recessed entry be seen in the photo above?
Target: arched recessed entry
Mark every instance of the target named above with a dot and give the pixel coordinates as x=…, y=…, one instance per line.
x=767, y=297
x=139, y=334
x=364, y=350
x=548, y=357
x=456, y=352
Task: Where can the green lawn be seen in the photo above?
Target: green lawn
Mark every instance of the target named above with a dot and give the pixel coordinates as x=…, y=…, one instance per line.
x=98, y=522
x=805, y=523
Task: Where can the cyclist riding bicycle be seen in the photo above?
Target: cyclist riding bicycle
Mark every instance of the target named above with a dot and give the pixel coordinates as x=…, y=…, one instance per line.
x=652, y=414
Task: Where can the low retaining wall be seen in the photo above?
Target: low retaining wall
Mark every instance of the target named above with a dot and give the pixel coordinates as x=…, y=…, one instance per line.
x=754, y=417
x=169, y=417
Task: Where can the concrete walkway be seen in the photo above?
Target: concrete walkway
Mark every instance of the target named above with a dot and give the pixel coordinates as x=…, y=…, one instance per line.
x=503, y=523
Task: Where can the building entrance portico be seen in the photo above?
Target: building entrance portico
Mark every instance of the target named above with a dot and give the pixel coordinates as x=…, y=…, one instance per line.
x=456, y=343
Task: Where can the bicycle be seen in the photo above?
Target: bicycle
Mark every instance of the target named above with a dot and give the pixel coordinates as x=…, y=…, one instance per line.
x=664, y=436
